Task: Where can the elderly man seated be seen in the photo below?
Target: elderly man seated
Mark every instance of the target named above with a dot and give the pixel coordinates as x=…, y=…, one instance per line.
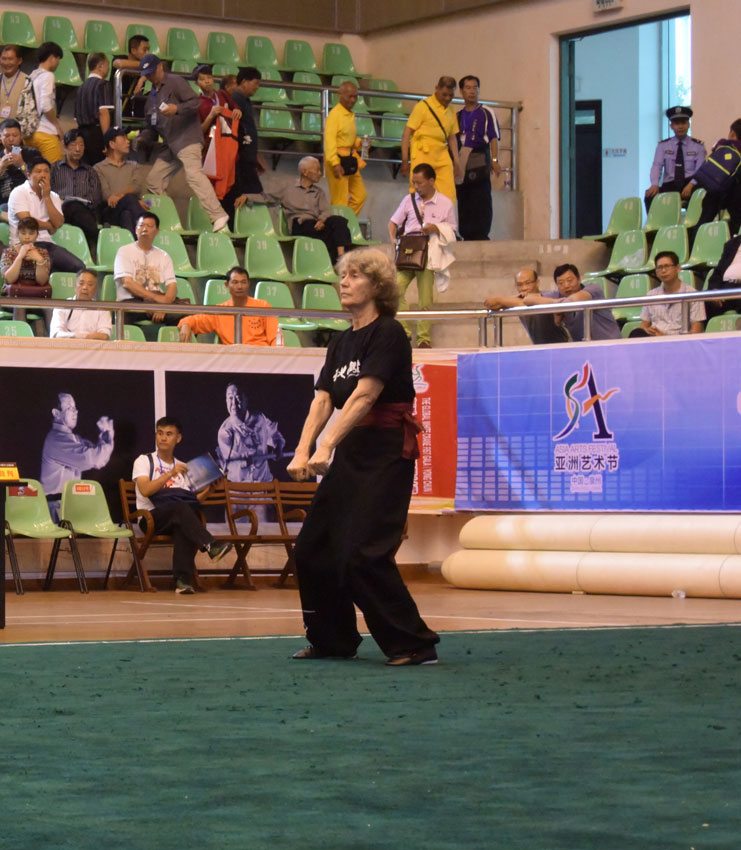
x=307, y=209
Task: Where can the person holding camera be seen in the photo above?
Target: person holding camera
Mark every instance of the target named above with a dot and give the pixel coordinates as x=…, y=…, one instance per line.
x=341, y=145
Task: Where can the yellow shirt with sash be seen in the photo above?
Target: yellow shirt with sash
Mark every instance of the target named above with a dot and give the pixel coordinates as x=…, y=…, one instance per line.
x=428, y=144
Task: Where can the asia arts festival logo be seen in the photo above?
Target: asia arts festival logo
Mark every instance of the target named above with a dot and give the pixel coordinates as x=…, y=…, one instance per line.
x=586, y=463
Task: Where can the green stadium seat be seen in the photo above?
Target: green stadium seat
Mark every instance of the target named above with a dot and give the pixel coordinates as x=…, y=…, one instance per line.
x=352, y=222
x=221, y=69
x=277, y=124
x=672, y=238
x=164, y=208
x=336, y=59
x=133, y=333
x=627, y=214
x=385, y=104
x=4, y=233
x=664, y=211
x=215, y=254
x=259, y=52
x=311, y=260
x=110, y=239
x=216, y=292
x=306, y=98
x=364, y=126
x=59, y=29
x=278, y=295
x=185, y=66
x=147, y=31
x=185, y=290
x=222, y=47
x=290, y=338
x=263, y=258
x=169, y=333
x=298, y=56
x=255, y=220
x=392, y=130
x=67, y=72
x=628, y=328
x=311, y=126
x=100, y=37
x=687, y=276
x=724, y=323
x=10, y=327
x=694, y=208
x=628, y=252
x=284, y=231
x=323, y=296
x=175, y=247
x=183, y=44
x=62, y=284
x=708, y=245
x=73, y=239
x=631, y=286
x=107, y=289
x=270, y=94
x=16, y=28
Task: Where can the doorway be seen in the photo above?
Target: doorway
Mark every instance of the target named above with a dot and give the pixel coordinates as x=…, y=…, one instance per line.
x=633, y=74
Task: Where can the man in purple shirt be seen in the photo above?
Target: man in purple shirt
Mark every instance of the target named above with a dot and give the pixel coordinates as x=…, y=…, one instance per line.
x=570, y=288
x=434, y=208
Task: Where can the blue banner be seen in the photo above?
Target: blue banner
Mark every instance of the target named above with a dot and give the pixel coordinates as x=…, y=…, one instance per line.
x=630, y=426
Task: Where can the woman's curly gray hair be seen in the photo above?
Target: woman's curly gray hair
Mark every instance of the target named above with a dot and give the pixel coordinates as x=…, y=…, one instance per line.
x=381, y=272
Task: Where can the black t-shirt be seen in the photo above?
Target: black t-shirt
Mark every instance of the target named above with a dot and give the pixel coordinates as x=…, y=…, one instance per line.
x=379, y=350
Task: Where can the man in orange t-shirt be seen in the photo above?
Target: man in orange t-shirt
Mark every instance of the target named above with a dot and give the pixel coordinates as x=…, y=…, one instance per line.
x=256, y=330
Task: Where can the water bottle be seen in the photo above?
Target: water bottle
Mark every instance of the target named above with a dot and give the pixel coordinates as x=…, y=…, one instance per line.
x=365, y=147
x=279, y=338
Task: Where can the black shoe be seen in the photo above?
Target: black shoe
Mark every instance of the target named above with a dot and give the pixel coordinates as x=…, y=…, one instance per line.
x=426, y=655
x=311, y=653
x=217, y=549
x=183, y=588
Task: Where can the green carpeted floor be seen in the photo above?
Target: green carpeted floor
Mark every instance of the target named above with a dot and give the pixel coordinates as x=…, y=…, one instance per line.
x=555, y=740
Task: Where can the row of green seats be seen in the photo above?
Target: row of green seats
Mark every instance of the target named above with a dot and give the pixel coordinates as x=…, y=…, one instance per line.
x=275, y=122
x=181, y=43
x=665, y=210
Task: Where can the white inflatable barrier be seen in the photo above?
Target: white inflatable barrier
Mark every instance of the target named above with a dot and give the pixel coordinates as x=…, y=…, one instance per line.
x=641, y=555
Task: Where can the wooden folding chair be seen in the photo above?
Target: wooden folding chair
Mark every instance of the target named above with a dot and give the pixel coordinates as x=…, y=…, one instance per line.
x=294, y=498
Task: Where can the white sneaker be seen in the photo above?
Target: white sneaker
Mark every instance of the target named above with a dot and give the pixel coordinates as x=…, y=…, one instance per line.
x=221, y=223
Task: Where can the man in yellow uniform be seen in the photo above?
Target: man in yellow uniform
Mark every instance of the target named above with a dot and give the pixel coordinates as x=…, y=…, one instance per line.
x=341, y=141
x=431, y=129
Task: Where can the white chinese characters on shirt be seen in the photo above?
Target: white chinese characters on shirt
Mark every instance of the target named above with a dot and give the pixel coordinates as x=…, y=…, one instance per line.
x=349, y=370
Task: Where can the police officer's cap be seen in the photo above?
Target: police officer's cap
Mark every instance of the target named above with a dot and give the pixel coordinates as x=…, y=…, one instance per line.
x=680, y=112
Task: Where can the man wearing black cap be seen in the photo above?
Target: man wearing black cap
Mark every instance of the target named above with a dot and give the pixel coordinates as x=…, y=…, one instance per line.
x=172, y=109
x=121, y=182
x=677, y=157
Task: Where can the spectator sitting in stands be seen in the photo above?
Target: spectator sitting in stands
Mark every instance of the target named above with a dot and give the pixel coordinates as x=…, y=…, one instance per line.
x=541, y=329
x=93, y=107
x=143, y=272
x=78, y=186
x=35, y=199
x=121, y=182
x=570, y=288
x=307, y=209
x=666, y=319
x=256, y=330
x=172, y=109
x=48, y=136
x=12, y=81
x=13, y=162
x=69, y=323
x=26, y=263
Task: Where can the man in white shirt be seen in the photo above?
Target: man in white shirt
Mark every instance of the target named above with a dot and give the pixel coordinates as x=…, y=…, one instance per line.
x=81, y=324
x=143, y=272
x=666, y=319
x=48, y=136
x=34, y=199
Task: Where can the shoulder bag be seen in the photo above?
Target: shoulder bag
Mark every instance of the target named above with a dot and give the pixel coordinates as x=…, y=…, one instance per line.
x=411, y=248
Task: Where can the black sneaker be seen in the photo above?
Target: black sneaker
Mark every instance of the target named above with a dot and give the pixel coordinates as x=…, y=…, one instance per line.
x=311, y=653
x=218, y=549
x=426, y=655
x=184, y=588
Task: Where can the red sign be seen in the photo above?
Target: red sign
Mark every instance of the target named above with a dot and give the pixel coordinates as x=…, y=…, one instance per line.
x=435, y=408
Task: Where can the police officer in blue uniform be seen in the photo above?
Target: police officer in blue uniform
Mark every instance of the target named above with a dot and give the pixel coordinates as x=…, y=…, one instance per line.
x=676, y=159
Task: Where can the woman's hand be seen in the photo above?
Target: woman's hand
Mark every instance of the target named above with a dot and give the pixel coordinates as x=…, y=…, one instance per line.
x=319, y=461
x=298, y=468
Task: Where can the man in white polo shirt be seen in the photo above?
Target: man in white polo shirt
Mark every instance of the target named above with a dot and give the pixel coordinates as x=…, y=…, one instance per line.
x=35, y=199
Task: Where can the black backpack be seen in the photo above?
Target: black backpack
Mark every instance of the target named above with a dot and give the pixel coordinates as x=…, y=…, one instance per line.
x=719, y=170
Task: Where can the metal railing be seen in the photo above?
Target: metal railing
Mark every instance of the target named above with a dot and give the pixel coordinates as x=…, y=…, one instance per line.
x=507, y=147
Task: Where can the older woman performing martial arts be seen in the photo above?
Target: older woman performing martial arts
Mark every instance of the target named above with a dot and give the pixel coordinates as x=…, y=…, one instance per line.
x=345, y=551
